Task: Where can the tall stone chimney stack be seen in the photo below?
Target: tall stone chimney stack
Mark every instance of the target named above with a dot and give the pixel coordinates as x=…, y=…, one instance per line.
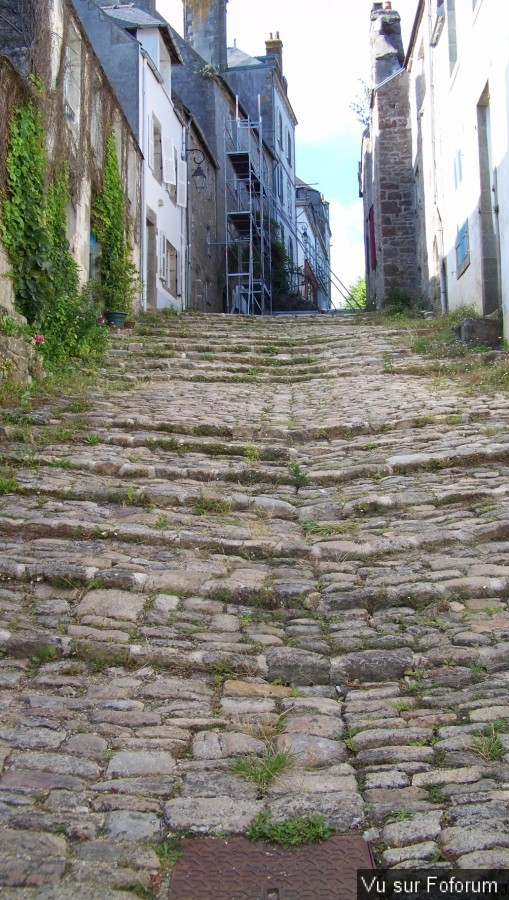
x=274, y=48
x=387, y=54
x=205, y=30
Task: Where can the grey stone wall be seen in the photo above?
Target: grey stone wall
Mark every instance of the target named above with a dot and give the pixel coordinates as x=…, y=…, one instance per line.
x=388, y=175
x=206, y=271
x=394, y=191
x=205, y=30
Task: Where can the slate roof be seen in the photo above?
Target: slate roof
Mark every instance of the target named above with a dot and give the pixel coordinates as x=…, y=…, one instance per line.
x=131, y=15
x=237, y=57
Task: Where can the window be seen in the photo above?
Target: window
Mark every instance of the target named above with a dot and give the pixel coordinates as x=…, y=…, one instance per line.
x=96, y=117
x=157, y=151
x=462, y=250
x=168, y=268
x=72, y=76
x=288, y=146
x=451, y=32
x=458, y=169
x=280, y=185
x=371, y=238
x=280, y=128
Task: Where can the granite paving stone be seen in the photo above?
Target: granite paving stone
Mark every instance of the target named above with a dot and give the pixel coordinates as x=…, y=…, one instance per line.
x=249, y=560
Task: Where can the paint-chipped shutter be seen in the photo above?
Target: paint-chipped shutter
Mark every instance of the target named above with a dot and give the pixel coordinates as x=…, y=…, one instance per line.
x=182, y=183
x=169, y=174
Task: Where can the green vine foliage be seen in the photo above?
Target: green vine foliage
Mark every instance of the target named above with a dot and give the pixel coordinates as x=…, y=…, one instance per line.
x=33, y=229
x=119, y=279
x=70, y=324
x=23, y=228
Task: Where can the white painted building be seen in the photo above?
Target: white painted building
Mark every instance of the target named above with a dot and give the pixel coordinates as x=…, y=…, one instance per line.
x=136, y=49
x=313, y=246
x=458, y=62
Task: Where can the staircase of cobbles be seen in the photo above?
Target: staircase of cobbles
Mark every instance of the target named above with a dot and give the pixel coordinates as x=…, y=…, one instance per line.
x=258, y=537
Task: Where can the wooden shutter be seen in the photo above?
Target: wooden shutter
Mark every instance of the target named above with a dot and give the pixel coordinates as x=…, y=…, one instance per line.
x=169, y=174
x=182, y=183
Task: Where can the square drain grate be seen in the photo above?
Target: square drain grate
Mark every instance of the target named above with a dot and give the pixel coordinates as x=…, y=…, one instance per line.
x=238, y=869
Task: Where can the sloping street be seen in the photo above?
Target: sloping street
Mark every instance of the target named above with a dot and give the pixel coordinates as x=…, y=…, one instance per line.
x=261, y=539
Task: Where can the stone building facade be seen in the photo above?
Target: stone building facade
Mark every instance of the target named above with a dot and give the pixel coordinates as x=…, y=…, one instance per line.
x=217, y=113
x=435, y=168
x=387, y=176
x=458, y=63
x=78, y=107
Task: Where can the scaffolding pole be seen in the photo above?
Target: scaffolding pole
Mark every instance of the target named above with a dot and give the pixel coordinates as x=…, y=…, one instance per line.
x=248, y=220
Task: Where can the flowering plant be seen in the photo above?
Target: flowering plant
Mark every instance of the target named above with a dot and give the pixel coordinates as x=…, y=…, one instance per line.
x=38, y=339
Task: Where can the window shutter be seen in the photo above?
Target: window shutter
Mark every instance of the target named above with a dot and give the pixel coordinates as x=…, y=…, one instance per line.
x=169, y=174
x=182, y=183
x=178, y=273
x=151, y=142
x=164, y=260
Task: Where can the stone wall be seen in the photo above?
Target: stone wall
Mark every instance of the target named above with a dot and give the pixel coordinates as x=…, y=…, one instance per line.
x=395, y=191
x=388, y=182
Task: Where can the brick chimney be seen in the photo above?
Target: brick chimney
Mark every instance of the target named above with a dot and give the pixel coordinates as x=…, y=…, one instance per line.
x=205, y=30
x=274, y=49
x=387, y=54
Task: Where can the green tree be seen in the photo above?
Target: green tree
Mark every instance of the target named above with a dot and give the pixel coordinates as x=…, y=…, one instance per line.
x=357, y=293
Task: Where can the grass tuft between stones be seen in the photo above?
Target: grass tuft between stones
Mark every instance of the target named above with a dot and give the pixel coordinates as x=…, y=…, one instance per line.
x=290, y=832
x=263, y=769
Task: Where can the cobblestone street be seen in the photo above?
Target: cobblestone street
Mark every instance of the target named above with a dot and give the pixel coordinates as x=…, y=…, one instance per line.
x=258, y=538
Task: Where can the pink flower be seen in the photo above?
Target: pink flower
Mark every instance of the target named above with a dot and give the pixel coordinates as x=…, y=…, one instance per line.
x=38, y=338
x=100, y=320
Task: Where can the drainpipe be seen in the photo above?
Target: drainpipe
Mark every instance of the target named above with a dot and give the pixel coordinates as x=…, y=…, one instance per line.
x=144, y=150
x=188, y=217
x=440, y=229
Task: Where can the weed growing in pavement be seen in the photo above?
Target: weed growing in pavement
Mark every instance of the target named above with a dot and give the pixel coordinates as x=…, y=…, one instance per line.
x=488, y=746
x=133, y=497
x=263, y=769
x=401, y=815
x=44, y=655
x=326, y=529
x=300, y=477
x=8, y=482
x=160, y=522
x=211, y=505
x=436, y=793
x=169, y=851
x=251, y=453
x=290, y=832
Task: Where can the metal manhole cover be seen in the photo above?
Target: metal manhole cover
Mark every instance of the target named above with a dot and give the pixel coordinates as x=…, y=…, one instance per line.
x=238, y=869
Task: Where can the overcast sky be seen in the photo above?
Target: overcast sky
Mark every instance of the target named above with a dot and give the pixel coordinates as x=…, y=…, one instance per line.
x=326, y=52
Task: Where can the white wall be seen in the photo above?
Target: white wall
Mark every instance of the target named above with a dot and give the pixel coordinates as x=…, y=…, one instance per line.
x=483, y=58
x=160, y=197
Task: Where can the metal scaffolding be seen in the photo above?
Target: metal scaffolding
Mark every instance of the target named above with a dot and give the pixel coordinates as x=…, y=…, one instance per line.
x=248, y=218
